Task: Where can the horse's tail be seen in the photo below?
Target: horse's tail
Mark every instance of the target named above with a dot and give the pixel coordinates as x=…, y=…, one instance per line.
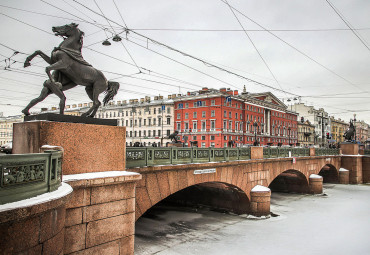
x=111, y=91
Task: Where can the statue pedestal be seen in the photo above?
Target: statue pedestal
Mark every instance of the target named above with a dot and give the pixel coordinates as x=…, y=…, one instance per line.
x=87, y=147
x=349, y=148
x=175, y=145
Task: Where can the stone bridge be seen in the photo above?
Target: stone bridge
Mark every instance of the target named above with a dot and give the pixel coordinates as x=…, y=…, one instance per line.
x=95, y=209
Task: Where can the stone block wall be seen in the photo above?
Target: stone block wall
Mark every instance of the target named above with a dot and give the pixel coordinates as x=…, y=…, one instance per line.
x=35, y=227
x=100, y=217
x=366, y=169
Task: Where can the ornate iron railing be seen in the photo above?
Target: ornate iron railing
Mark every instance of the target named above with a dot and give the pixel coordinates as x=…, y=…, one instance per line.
x=326, y=151
x=150, y=156
x=367, y=151
x=28, y=175
x=278, y=152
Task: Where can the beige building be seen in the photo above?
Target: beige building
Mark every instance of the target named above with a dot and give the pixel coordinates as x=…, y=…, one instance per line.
x=338, y=128
x=306, y=133
x=6, y=128
x=362, y=131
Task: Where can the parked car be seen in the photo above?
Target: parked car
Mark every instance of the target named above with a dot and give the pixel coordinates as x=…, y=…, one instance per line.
x=7, y=148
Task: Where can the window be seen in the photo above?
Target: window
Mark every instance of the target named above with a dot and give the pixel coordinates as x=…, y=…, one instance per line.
x=203, y=137
x=126, y=123
x=213, y=102
x=178, y=116
x=168, y=110
x=178, y=126
x=236, y=115
x=149, y=133
x=159, y=121
x=144, y=133
x=159, y=132
x=149, y=122
x=139, y=123
x=194, y=137
x=195, y=126
x=154, y=133
x=203, y=114
x=195, y=104
x=155, y=111
x=186, y=126
x=213, y=125
x=135, y=123
x=212, y=137
x=186, y=115
x=130, y=123
x=186, y=105
x=168, y=132
x=130, y=133
x=139, y=133
x=212, y=144
x=203, y=125
x=154, y=121
x=194, y=115
x=203, y=145
x=230, y=124
x=168, y=121
x=225, y=114
x=225, y=124
x=213, y=113
x=144, y=122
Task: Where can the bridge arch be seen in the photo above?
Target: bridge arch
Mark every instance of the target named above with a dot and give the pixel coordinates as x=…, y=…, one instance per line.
x=290, y=180
x=225, y=189
x=329, y=173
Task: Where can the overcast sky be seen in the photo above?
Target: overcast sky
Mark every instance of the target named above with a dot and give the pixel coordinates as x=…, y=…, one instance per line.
x=322, y=60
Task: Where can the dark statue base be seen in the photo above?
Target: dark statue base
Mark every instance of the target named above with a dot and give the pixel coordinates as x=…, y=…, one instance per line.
x=70, y=119
x=175, y=145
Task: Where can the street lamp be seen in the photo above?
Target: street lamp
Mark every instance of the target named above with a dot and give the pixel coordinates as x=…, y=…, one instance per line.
x=255, y=133
x=289, y=134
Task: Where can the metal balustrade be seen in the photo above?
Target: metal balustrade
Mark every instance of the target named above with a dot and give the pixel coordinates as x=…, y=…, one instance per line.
x=28, y=175
x=367, y=152
x=151, y=156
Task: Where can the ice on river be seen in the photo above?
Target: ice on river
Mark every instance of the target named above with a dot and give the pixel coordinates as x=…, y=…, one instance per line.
x=307, y=224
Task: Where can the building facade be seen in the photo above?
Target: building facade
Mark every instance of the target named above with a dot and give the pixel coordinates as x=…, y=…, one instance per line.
x=224, y=118
x=306, y=133
x=362, y=131
x=6, y=128
x=319, y=118
x=338, y=128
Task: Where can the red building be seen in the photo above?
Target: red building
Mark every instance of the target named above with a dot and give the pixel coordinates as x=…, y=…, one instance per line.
x=221, y=118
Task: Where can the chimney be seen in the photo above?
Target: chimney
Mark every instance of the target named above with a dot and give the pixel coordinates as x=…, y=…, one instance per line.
x=147, y=99
x=124, y=102
x=53, y=108
x=236, y=92
x=44, y=109
x=74, y=106
x=169, y=96
x=222, y=89
x=173, y=96
x=230, y=92
x=160, y=97
x=68, y=106
x=156, y=98
x=142, y=100
x=179, y=95
x=131, y=101
x=188, y=93
x=204, y=89
x=79, y=105
x=85, y=104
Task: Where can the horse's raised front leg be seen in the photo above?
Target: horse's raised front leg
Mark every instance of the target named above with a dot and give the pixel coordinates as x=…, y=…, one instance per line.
x=37, y=53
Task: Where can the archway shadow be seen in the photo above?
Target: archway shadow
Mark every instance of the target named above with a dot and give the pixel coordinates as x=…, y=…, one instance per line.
x=290, y=181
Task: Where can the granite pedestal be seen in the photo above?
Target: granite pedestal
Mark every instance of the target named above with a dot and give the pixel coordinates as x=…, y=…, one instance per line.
x=87, y=147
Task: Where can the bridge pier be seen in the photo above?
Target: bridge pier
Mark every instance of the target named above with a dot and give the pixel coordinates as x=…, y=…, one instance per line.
x=352, y=161
x=260, y=201
x=100, y=217
x=343, y=176
x=315, y=184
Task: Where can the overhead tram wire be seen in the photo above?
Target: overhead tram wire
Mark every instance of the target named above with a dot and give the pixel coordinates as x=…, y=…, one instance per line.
x=241, y=30
x=119, y=12
x=26, y=23
x=347, y=24
x=188, y=55
x=293, y=47
x=116, y=33
x=255, y=47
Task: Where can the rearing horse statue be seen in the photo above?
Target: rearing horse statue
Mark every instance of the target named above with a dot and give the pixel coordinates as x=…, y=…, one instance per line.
x=70, y=69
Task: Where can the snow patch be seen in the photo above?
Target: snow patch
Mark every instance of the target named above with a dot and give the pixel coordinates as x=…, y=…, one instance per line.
x=343, y=170
x=96, y=175
x=259, y=188
x=62, y=191
x=315, y=176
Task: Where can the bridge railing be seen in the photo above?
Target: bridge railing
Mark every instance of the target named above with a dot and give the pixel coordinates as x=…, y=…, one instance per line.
x=326, y=151
x=367, y=152
x=28, y=175
x=150, y=156
x=278, y=152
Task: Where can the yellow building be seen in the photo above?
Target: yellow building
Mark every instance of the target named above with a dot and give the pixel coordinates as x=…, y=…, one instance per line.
x=338, y=127
x=306, y=133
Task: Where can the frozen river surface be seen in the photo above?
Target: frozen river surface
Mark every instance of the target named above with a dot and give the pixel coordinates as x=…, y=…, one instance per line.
x=338, y=223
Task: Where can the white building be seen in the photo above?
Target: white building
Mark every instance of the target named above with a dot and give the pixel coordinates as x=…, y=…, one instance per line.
x=319, y=118
x=148, y=121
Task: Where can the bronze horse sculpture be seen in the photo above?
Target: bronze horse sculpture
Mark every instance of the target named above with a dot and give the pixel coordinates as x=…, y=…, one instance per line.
x=69, y=70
